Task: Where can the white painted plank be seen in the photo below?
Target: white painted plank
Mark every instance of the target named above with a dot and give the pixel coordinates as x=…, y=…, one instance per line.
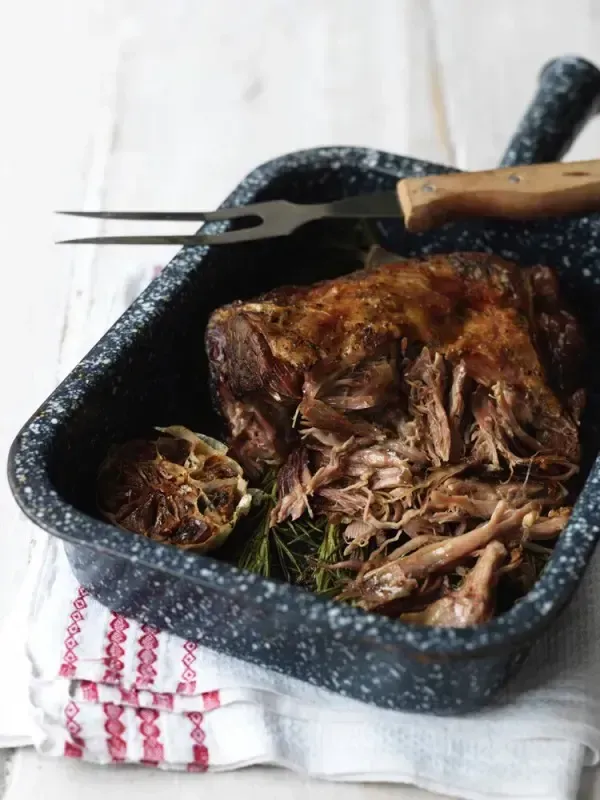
x=191, y=112
x=490, y=56
x=44, y=143
x=153, y=104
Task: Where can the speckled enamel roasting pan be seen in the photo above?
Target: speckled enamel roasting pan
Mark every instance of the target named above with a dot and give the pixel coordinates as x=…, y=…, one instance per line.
x=150, y=369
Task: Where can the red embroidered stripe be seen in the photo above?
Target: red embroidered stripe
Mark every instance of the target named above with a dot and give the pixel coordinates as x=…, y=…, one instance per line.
x=129, y=696
x=67, y=668
x=75, y=747
x=115, y=650
x=187, y=683
x=114, y=727
x=147, y=657
x=162, y=700
x=199, y=749
x=71, y=751
x=211, y=700
x=153, y=750
x=89, y=690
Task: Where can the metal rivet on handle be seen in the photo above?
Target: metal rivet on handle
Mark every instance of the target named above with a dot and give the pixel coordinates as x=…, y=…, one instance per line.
x=428, y=187
x=514, y=178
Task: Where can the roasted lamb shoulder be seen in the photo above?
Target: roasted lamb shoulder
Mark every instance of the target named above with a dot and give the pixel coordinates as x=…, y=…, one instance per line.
x=428, y=407
x=344, y=351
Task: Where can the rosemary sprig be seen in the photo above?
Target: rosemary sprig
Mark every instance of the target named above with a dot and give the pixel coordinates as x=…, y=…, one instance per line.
x=329, y=552
x=296, y=545
x=298, y=551
x=256, y=556
x=290, y=564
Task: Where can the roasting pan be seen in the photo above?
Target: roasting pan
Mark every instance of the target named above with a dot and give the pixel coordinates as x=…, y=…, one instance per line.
x=150, y=369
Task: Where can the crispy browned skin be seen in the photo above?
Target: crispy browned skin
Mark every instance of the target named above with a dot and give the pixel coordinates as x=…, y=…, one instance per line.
x=471, y=306
x=443, y=301
x=503, y=323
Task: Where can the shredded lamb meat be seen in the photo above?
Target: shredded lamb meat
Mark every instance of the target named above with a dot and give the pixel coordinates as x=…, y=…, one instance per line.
x=473, y=601
x=431, y=402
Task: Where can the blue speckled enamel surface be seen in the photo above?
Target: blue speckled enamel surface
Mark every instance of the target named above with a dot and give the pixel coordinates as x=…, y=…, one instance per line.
x=150, y=369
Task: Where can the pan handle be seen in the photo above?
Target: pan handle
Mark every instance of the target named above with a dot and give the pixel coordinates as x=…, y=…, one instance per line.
x=568, y=95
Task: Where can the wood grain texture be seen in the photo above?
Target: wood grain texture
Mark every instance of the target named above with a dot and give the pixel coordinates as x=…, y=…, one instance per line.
x=524, y=193
x=151, y=104
x=491, y=55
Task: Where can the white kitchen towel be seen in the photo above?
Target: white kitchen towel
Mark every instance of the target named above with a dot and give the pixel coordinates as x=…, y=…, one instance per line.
x=108, y=690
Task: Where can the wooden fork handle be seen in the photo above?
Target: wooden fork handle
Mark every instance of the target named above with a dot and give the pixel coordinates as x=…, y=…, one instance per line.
x=540, y=190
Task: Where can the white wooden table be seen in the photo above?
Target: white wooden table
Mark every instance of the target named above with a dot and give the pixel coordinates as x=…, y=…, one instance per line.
x=153, y=104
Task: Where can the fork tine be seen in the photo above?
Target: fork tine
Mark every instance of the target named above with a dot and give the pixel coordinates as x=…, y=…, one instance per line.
x=181, y=240
x=229, y=237
x=150, y=216
x=221, y=215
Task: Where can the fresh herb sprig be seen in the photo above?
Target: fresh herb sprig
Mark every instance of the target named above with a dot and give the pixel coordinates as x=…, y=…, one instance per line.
x=298, y=551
